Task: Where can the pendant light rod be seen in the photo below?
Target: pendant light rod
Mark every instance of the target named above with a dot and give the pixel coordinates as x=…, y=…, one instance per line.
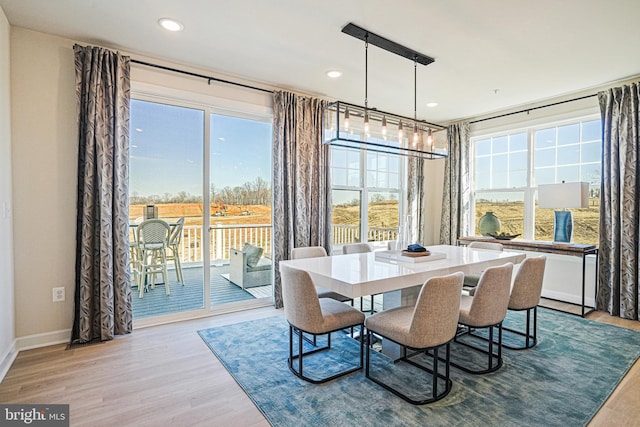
x=415, y=88
x=366, y=69
x=386, y=44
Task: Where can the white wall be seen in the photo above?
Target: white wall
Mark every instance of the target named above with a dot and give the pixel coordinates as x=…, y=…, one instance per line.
x=7, y=333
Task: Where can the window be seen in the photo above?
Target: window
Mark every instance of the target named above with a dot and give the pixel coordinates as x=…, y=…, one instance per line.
x=508, y=167
x=366, y=189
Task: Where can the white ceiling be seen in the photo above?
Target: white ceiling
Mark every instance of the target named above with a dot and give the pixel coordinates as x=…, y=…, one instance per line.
x=527, y=50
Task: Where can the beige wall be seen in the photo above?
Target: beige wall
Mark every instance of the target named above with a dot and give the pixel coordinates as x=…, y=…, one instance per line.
x=7, y=347
x=44, y=159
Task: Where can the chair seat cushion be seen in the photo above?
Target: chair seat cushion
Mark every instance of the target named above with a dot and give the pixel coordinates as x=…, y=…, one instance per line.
x=393, y=324
x=263, y=264
x=337, y=315
x=326, y=293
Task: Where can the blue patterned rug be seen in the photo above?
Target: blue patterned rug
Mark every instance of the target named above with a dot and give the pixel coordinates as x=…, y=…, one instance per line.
x=563, y=381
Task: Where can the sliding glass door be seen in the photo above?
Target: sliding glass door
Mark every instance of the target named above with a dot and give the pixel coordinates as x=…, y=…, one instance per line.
x=208, y=176
x=240, y=197
x=165, y=181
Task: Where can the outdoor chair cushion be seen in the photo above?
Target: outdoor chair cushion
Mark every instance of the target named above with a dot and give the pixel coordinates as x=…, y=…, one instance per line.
x=253, y=254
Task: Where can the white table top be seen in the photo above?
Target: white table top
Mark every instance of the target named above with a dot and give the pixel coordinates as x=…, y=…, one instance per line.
x=356, y=275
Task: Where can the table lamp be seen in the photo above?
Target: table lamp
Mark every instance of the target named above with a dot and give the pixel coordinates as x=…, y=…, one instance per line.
x=565, y=195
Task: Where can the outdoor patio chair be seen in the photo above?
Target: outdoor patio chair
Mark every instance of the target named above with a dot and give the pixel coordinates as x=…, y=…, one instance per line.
x=153, y=239
x=248, y=268
x=172, y=249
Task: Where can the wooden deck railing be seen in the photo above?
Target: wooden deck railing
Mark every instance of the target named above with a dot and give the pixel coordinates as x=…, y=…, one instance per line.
x=225, y=237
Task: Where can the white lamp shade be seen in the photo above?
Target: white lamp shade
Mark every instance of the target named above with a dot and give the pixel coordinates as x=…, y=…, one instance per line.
x=565, y=195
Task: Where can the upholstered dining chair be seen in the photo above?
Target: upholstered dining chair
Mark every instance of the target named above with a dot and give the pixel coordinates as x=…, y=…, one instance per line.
x=525, y=296
x=315, y=252
x=487, y=308
x=428, y=326
x=471, y=280
x=358, y=248
x=306, y=313
x=173, y=247
x=153, y=239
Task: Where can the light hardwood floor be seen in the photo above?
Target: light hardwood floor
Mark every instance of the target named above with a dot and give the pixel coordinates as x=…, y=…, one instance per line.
x=165, y=375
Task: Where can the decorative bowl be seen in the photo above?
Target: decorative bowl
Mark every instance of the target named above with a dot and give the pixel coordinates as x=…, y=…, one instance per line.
x=504, y=236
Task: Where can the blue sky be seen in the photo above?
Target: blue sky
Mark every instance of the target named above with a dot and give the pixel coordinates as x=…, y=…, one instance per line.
x=166, y=150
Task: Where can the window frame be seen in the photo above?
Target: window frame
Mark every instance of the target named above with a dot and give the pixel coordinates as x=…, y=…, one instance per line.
x=363, y=188
x=531, y=188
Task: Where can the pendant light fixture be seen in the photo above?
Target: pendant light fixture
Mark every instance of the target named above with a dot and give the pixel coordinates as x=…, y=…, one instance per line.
x=352, y=126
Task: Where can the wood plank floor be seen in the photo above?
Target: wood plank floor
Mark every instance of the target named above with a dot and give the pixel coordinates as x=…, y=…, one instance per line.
x=165, y=375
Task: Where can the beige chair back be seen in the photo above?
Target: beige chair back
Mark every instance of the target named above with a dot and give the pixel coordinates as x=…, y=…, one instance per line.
x=487, y=245
x=527, y=285
x=491, y=298
x=301, y=305
x=435, y=317
x=356, y=248
x=308, y=252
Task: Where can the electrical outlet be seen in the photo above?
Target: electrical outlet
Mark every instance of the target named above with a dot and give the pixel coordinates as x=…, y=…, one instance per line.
x=6, y=210
x=58, y=294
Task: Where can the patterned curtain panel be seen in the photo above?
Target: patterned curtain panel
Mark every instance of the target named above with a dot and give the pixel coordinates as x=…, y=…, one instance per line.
x=301, y=185
x=456, y=197
x=415, y=196
x=103, y=287
x=618, y=291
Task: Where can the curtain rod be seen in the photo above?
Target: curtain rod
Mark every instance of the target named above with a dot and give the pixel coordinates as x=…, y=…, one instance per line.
x=527, y=110
x=202, y=76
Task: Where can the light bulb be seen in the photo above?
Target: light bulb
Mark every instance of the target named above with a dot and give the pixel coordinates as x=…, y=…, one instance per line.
x=366, y=122
x=415, y=135
x=346, y=118
x=400, y=130
x=384, y=126
x=429, y=140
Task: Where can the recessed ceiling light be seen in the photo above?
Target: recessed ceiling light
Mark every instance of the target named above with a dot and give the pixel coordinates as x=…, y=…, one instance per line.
x=170, y=24
x=334, y=74
x=432, y=104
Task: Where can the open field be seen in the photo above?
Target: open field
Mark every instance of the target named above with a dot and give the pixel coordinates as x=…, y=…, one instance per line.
x=385, y=214
x=193, y=213
x=511, y=216
x=381, y=214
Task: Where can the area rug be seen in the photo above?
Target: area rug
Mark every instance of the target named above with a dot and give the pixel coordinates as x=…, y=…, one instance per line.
x=563, y=381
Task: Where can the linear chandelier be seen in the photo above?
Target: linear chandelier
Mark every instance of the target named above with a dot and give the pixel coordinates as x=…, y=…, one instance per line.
x=353, y=126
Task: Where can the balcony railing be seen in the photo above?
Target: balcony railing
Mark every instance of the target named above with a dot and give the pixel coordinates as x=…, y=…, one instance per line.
x=224, y=237
x=343, y=233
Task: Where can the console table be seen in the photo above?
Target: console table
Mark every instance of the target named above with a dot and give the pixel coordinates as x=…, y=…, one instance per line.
x=572, y=249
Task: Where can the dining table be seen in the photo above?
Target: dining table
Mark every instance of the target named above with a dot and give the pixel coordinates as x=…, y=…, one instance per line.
x=399, y=278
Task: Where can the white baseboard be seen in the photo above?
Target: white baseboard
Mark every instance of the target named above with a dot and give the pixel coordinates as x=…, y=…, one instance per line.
x=570, y=298
x=43, y=340
x=7, y=360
